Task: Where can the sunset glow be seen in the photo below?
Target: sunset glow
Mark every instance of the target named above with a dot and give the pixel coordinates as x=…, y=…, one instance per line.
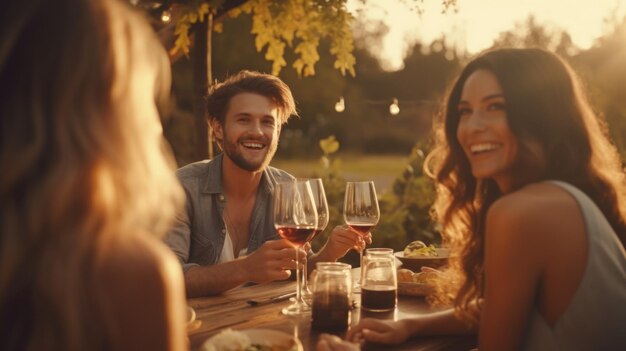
x=478, y=22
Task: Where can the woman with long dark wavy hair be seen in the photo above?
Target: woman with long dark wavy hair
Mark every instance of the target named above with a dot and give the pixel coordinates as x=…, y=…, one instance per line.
x=532, y=201
x=86, y=187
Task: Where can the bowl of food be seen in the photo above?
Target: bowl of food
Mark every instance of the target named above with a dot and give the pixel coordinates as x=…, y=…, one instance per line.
x=191, y=323
x=252, y=340
x=417, y=255
x=416, y=284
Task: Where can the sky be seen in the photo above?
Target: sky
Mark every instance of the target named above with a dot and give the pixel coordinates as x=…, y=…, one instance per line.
x=478, y=22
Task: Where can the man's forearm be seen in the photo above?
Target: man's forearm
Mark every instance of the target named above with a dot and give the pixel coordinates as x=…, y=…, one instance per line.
x=321, y=256
x=214, y=279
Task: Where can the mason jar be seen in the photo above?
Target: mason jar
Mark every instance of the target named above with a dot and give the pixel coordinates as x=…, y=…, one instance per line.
x=332, y=289
x=379, y=289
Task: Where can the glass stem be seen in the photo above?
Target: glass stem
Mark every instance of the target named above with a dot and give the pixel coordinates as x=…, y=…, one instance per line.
x=361, y=267
x=305, y=285
x=298, y=279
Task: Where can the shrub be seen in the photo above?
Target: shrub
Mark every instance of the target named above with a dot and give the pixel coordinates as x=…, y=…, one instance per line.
x=404, y=211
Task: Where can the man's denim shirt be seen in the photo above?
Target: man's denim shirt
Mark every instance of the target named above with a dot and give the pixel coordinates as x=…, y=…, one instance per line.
x=197, y=236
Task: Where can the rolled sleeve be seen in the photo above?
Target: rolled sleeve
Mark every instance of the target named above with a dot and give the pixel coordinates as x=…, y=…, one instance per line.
x=178, y=238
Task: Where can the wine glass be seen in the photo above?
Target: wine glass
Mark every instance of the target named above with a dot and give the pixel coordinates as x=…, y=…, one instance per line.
x=319, y=196
x=360, y=209
x=295, y=220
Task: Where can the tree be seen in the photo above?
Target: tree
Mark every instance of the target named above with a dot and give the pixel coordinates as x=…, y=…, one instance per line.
x=277, y=25
x=533, y=34
x=296, y=24
x=603, y=68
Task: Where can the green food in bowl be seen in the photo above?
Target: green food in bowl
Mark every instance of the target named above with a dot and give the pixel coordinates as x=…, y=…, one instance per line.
x=419, y=249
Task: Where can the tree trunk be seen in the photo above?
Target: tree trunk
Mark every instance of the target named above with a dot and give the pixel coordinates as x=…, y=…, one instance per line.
x=199, y=55
x=209, y=73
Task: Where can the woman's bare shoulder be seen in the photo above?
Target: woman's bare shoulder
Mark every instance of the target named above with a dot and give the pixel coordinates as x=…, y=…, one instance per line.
x=538, y=217
x=140, y=285
x=137, y=257
x=535, y=222
x=535, y=203
x=529, y=226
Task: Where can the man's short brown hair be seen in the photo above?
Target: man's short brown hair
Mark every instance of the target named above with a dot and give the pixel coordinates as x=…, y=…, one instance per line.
x=263, y=84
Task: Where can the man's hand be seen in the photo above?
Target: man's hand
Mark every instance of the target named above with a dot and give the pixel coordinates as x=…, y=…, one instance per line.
x=272, y=261
x=341, y=240
x=379, y=331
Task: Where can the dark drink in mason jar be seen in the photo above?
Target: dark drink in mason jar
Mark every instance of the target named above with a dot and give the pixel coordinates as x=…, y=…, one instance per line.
x=331, y=312
x=378, y=298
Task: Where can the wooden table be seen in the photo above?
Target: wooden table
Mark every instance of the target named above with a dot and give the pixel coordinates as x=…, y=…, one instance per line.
x=230, y=310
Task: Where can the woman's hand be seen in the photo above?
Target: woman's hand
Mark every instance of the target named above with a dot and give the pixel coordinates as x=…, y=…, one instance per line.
x=379, y=331
x=328, y=342
x=368, y=329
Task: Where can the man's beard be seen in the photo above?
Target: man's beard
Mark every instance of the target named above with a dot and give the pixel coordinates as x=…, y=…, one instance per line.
x=230, y=149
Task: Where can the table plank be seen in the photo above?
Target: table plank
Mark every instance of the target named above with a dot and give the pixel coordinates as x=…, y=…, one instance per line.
x=230, y=310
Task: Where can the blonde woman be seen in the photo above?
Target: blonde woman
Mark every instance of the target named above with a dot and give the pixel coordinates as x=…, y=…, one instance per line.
x=86, y=185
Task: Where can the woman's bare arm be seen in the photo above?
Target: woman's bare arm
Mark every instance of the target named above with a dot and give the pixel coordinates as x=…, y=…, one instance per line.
x=513, y=267
x=389, y=332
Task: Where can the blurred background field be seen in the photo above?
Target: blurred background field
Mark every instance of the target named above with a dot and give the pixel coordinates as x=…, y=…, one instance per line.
x=405, y=194
x=382, y=169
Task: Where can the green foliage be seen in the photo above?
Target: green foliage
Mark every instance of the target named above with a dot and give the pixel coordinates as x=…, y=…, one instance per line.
x=334, y=186
x=329, y=146
x=193, y=12
x=404, y=212
x=277, y=25
x=301, y=24
x=390, y=232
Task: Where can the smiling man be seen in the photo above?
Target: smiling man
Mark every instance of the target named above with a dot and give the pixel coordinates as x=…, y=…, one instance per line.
x=225, y=235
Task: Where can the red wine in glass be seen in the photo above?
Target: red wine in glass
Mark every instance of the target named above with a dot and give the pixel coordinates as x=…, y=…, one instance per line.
x=295, y=220
x=360, y=209
x=319, y=197
x=297, y=236
x=363, y=229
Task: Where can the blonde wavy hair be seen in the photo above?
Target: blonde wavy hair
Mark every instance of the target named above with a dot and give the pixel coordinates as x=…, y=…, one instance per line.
x=83, y=163
x=560, y=138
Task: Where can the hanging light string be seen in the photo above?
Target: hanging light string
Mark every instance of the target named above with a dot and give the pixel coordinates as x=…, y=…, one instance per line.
x=394, y=104
x=340, y=106
x=394, y=108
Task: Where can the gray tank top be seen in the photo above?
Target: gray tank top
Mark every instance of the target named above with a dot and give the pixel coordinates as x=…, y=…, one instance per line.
x=596, y=316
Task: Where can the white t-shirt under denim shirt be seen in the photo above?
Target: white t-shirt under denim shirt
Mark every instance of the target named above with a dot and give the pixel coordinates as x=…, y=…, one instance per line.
x=228, y=252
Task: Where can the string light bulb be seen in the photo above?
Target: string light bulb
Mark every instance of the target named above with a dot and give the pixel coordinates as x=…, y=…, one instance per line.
x=166, y=17
x=340, y=106
x=394, y=109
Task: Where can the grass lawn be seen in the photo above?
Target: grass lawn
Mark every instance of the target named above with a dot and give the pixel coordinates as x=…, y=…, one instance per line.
x=382, y=169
